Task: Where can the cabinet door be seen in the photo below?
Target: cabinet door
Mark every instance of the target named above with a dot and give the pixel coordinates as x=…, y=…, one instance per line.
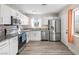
x=32, y=36
x=1, y=18
x=5, y=14
x=28, y=37
x=14, y=45
x=13, y=12
x=44, y=21
x=38, y=35
x=24, y=19
x=4, y=47
x=35, y=35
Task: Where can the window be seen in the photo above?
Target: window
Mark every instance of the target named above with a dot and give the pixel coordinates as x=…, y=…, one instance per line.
x=36, y=22
x=76, y=21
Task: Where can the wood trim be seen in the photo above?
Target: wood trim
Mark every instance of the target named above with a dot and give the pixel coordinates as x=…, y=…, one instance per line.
x=70, y=25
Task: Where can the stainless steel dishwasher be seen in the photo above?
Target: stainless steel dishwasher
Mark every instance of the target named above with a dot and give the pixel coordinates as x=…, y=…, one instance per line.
x=44, y=35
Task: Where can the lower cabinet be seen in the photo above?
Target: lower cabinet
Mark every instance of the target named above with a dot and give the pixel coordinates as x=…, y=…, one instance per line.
x=14, y=45
x=28, y=39
x=9, y=46
x=4, y=47
x=35, y=35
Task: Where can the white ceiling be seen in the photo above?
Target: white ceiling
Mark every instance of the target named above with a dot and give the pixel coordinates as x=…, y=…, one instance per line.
x=38, y=8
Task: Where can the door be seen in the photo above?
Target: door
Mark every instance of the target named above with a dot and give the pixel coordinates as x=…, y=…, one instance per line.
x=64, y=27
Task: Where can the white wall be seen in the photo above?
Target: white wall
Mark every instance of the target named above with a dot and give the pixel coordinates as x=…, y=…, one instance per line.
x=64, y=26
x=74, y=47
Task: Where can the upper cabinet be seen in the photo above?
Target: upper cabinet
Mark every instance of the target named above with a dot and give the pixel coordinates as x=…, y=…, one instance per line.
x=36, y=22
x=5, y=14
x=13, y=12
x=44, y=21
x=24, y=19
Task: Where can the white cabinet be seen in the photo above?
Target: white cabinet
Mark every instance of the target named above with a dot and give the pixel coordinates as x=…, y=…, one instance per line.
x=35, y=35
x=5, y=13
x=28, y=37
x=14, y=45
x=24, y=19
x=36, y=22
x=13, y=12
x=4, y=47
x=44, y=21
x=9, y=46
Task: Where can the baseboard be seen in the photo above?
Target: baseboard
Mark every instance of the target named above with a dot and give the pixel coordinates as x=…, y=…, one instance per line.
x=73, y=51
x=21, y=49
x=35, y=40
x=68, y=47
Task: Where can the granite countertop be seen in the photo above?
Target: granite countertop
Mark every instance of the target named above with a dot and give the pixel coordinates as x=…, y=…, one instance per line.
x=9, y=37
x=34, y=29
x=25, y=30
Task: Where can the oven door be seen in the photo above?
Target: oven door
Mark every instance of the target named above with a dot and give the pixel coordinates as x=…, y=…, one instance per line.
x=21, y=40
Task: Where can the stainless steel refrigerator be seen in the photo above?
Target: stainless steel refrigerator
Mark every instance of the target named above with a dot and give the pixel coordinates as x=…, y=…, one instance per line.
x=54, y=27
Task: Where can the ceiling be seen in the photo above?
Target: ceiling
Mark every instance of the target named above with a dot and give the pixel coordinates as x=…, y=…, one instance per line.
x=38, y=8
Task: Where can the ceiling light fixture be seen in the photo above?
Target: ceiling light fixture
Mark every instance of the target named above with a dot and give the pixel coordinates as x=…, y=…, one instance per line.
x=34, y=10
x=44, y=4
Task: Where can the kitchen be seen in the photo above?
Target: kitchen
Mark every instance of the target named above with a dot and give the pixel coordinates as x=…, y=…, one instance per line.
x=20, y=27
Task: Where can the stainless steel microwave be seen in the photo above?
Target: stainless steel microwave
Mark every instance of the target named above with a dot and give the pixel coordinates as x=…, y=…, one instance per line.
x=15, y=21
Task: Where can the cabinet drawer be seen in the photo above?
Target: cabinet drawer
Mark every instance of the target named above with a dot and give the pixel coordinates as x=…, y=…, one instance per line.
x=4, y=47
